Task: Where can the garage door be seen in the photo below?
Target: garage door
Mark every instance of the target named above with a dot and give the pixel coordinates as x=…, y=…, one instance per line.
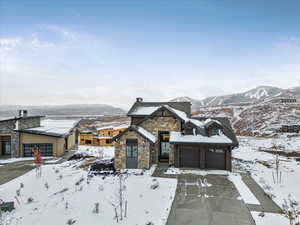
x=46, y=149
x=189, y=157
x=215, y=159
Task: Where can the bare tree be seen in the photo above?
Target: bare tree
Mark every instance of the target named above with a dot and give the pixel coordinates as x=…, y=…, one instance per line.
x=120, y=204
x=291, y=209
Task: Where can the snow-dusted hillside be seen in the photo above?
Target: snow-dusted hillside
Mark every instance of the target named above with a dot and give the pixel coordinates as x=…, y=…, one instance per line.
x=259, y=119
x=255, y=95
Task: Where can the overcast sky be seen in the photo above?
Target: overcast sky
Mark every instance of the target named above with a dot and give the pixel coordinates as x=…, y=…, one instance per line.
x=67, y=52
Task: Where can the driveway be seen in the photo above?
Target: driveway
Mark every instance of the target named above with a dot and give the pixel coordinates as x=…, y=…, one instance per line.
x=216, y=204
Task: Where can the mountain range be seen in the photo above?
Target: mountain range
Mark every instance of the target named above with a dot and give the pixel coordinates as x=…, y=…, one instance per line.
x=255, y=95
x=62, y=110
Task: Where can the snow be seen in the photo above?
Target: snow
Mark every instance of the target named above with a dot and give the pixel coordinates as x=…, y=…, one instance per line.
x=255, y=162
x=143, y=110
x=144, y=204
x=114, y=127
x=198, y=123
x=13, y=160
x=146, y=134
x=176, y=171
x=244, y=191
x=179, y=113
x=269, y=219
x=58, y=127
x=103, y=152
x=207, y=121
x=257, y=93
x=179, y=138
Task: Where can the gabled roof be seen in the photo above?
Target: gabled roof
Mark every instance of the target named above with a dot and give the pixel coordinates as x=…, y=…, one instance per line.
x=227, y=129
x=177, y=138
x=177, y=113
x=146, y=134
x=147, y=108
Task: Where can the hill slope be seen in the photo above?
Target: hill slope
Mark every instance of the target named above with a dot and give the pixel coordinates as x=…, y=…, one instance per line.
x=96, y=109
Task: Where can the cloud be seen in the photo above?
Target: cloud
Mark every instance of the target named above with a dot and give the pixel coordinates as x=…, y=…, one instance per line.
x=8, y=44
x=56, y=65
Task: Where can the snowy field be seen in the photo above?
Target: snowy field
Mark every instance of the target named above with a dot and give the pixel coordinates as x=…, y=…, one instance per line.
x=285, y=142
x=103, y=152
x=262, y=166
x=56, y=198
x=19, y=159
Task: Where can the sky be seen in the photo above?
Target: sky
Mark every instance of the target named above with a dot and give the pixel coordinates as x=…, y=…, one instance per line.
x=110, y=52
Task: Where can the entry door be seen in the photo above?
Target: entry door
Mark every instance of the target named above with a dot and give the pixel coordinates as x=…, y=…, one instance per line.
x=164, y=145
x=131, y=154
x=6, y=148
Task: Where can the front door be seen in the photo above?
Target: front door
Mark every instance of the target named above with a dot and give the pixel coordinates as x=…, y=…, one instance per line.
x=164, y=137
x=131, y=154
x=6, y=148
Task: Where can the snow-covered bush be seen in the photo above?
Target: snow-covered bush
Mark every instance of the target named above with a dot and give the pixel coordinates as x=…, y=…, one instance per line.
x=291, y=209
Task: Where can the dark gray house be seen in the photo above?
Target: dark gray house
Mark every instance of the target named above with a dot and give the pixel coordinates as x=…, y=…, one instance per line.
x=165, y=132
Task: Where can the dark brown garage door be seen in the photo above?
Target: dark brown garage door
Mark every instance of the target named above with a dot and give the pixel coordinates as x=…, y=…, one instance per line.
x=189, y=157
x=215, y=159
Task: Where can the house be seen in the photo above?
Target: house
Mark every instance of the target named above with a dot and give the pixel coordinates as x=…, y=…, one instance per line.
x=166, y=133
x=103, y=137
x=86, y=138
x=290, y=128
x=105, y=134
x=20, y=134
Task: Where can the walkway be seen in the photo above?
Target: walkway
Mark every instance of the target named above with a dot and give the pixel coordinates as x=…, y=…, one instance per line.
x=266, y=203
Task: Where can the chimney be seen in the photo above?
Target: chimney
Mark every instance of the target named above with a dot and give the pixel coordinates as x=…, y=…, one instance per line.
x=139, y=99
x=23, y=113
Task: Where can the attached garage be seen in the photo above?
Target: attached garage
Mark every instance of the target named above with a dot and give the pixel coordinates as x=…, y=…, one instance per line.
x=46, y=149
x=215, y=159
x=189, y=157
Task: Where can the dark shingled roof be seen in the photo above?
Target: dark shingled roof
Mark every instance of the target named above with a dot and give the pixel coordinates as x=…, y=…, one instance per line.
x=227, y=129
x=182, y=106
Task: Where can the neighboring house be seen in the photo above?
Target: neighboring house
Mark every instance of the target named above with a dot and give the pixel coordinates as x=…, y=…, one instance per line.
x=20, y=134
x=165, y=132
x=103, y=137
x=86, y=138
x=290, y=128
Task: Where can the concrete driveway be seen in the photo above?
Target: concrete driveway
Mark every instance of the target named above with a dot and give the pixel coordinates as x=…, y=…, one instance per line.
x=212, y=204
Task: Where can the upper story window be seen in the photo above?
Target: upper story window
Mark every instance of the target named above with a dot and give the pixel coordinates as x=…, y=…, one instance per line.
x=215, y=131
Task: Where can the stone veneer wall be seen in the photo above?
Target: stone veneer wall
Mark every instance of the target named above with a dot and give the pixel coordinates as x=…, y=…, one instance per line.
x=156, y=124
x=6, y=128
x=144, y=147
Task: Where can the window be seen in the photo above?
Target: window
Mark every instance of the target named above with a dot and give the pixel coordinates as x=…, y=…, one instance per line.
x=108, y=141
x=215, y=131
x=46, y=149
x=88, y=142
x=216, y=150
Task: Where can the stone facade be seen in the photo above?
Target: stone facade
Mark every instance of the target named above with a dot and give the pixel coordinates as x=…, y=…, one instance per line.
x=157, y=124
x=144, y=148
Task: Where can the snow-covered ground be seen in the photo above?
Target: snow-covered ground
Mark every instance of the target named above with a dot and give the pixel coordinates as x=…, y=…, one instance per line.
x=103, y=152
x=284, y=141
x=19, y=159
x=77, y=202
x=262, y=166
